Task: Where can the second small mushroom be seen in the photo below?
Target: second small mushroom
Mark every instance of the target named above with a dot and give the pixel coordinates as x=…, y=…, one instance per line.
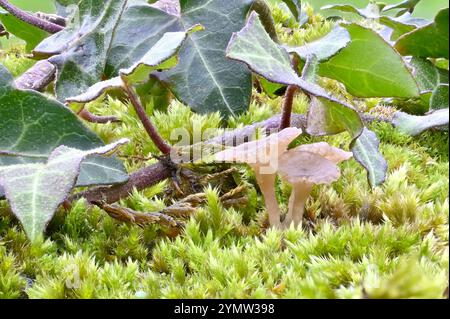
x=306, y=166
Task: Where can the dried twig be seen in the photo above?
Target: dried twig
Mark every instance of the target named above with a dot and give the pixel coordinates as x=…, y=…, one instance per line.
x=128, y=215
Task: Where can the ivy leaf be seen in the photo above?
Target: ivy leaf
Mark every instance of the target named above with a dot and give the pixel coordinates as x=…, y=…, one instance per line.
x=64, y=7
x=80, y=50
x=253, y=46
x=30, y=34
x=372, y=11
x=399, y=25
x=327, y=117
x=370, y=67
x=296, y=8
x=170, y=6
x=162, y=56
x=404, y=6
x=402, y=24
x=440, y=97
x=325, y=47
x=430, y=41
x=425, y=73
x=33, y=125
x=415, y=125
x=204, y=79
x=366, y=150
x=35, y=191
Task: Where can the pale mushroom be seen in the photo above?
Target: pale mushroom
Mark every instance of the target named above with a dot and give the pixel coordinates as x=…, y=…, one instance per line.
x=304, y=167
x=263, y=157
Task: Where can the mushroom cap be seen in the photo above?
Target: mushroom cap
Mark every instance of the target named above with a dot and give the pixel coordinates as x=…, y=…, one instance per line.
x=305, y=167
x=334, y=154
x=262, y=151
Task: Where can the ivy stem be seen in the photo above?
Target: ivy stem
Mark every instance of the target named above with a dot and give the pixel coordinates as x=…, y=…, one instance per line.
x=287, y=107
x=289, y=100
x=148, y=125
x=30, y=19
x=92, y=118
x=262, y=8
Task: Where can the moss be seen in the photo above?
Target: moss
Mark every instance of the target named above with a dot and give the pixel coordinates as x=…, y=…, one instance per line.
x=389, y=242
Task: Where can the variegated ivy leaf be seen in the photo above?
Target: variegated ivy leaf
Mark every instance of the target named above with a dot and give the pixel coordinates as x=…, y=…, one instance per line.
x=162, y=56
x=325, y=47
x=414, y=125
x=34, y=191
x=366, y=150
x=80, y=50
x=33, y=125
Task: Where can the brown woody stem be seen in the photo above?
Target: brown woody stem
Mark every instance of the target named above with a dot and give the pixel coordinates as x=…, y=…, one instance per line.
x=30, y=19
x=148, y=125
x=288, y=106
x=289, y=99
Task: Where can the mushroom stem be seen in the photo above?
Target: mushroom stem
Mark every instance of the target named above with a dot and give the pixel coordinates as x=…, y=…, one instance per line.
x=266, y=184
x=299, y=195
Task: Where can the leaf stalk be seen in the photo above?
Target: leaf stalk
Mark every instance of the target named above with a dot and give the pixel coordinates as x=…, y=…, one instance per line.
x=29, y=18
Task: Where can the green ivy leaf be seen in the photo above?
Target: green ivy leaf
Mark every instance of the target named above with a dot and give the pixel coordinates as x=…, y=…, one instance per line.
x=32, y=126
x=440, y=97
x=65, y=7
x=366, y=150
x=370, y=67
x=415, y=125
x=296, y=8
x=425, y=73
x=162, y=56
x=399, y=25
x=326, y=47
x=204, y=79
x=80, y=51
x=30, y=34
x=430, y=41
x=402, y=24
x=404, y=6
x=372, y=11
x=327, y=117
x=35, y=191
x=254, y=47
